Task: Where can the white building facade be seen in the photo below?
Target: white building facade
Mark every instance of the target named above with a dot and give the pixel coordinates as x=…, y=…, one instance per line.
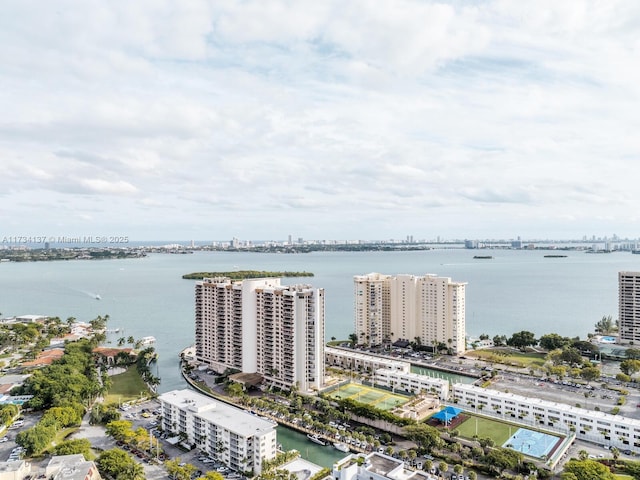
x=629, y=307
x=591, y=426
x=260, y=326
x=362, y=362
x=412, y=383
x=236, y=438
x=290, y=334
x=428, y=308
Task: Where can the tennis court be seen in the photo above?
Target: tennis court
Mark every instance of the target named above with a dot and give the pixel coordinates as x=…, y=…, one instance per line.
x=380, y=399
x=533, y=444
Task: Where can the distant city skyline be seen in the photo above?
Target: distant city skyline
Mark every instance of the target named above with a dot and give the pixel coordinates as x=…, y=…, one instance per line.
x=256, y=119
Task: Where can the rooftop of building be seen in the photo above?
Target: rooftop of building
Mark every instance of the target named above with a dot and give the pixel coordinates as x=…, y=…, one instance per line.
x=382, y=464
x=12, y=467
x=301, y=468
x=226, y=416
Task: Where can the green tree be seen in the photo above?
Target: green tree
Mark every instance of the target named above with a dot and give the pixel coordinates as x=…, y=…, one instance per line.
x=553, y=341
x=605, y=325
x=632, y=353
x=522, y=340
x=590, y=373
x=211, y=475
x=120, y=430
x=630, y=367
x=234, y=389
x=585, y=470
x=37, y=438
x=424, y=435
x=116, y=463
x=571, y=356
x=503, y=458
x=75, y=446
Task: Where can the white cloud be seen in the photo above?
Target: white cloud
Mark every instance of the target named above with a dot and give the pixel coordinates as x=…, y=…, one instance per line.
x=252, y=117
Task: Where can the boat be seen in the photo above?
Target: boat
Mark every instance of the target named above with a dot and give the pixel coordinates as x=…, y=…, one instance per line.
x=98, y=297
x=483, y=257
x=316, y=439
x=343, y=447
x=555, y=256
x=144, y=341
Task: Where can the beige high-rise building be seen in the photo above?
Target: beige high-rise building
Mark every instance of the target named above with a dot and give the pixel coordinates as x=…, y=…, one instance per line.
x=428, y=309
x=629, y=307
x=260, y=326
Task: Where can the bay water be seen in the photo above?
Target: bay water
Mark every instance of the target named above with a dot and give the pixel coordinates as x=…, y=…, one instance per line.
x=515, y=290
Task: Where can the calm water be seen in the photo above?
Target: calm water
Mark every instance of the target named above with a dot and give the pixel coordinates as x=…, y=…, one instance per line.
x=324, y=456
x=515, y=290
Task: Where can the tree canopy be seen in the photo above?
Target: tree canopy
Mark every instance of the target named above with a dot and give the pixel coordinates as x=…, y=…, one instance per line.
x=522, y=340
x=117, y=464
x=585, y=470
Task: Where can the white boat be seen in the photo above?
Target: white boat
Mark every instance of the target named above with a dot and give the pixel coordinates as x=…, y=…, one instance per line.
x=316, y=439
x=343, y=447
x=98, y=297
x=147, y=341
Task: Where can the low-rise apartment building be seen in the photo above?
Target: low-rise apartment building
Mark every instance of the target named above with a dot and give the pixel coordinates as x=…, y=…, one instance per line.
x=362, y=362
x=236, y=438
x=412, y=383
x=592, y=426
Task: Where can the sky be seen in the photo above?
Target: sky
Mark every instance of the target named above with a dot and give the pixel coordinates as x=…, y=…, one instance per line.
x=365, y=119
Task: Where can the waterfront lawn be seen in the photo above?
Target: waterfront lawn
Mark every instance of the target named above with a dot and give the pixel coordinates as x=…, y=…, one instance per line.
x=496, y=430
x=126, y=387
x=519, y=359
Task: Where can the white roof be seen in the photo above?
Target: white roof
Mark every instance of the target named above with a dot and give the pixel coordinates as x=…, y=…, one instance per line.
x=219, y=413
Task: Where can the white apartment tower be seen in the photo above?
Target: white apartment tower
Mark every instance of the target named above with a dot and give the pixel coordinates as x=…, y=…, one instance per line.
x=263, y=327
x=428, y=308
x=629, y=307
x=231, y=435
x=372, y=314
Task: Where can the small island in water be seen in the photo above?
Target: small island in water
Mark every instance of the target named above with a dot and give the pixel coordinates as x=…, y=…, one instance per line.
x=555, y=256
x=244, y=274
x=483, y=257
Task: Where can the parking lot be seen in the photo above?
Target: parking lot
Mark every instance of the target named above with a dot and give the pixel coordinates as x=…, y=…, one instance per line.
x=145, y=415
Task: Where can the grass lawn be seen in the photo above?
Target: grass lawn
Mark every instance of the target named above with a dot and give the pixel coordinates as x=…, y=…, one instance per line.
x=524, y=360
x=499, y=432
x=126, y=387
x=620, y=476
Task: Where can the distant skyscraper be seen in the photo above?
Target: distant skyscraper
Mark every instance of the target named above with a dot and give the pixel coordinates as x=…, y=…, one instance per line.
x=629, y=307
x=428, y=308
x=261, y=326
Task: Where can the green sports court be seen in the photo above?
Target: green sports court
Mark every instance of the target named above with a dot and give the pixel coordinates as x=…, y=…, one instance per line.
x=378, y=398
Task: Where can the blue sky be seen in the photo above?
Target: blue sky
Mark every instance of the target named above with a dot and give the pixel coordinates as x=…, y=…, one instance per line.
x=366, y=119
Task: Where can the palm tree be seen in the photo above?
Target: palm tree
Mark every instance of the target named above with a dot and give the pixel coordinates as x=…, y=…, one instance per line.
x=583, y=455
x=615, y=452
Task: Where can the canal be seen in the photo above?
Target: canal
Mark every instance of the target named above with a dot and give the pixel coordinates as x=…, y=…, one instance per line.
x=324, y=456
